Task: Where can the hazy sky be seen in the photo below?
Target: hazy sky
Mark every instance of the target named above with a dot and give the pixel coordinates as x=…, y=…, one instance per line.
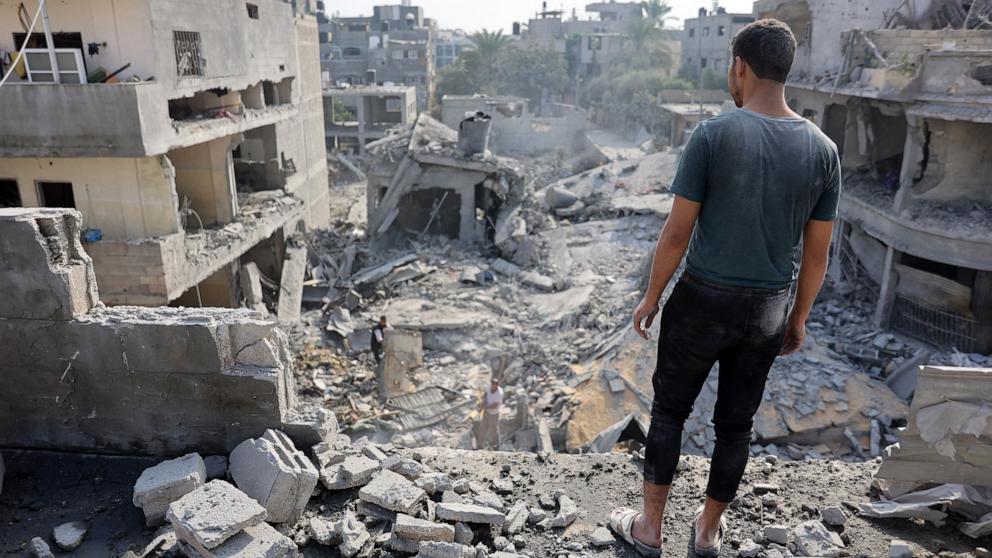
x=472, y=15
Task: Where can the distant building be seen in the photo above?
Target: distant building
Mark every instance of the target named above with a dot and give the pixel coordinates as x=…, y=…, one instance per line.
x=393, y=46
x=448, y=45
x=706, y=39
x=355, y=116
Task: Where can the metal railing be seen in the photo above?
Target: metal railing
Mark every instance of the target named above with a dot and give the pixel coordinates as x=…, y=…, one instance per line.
x=933, y=325
x=189, y=60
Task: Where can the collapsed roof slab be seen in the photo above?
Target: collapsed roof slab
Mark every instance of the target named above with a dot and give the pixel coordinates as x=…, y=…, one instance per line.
x=156, y=381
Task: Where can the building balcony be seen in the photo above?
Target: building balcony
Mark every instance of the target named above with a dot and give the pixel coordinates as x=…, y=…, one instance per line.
x=110, y=120
x=959, y=235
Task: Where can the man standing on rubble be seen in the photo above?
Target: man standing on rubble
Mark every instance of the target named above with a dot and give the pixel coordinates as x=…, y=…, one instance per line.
x=492, y=403
x=378, y=336
x=755, y=187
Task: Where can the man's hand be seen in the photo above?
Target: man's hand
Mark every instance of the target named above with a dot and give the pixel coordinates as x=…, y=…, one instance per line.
x=795, y=334
x=644, y=314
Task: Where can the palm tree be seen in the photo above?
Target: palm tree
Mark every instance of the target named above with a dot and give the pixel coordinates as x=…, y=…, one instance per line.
x=640, y=30
x=656, y=11
x=488, y=45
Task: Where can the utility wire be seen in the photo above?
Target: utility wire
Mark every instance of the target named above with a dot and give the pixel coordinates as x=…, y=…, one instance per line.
x=24, y=45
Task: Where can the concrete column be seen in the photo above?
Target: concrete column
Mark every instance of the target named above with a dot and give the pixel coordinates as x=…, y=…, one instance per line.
x=360, y=114
x=912, y=154
x=887, y=292
x=466, y=223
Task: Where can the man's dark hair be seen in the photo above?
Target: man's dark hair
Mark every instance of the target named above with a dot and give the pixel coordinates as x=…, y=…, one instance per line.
x=382, y=318
x=768, y=46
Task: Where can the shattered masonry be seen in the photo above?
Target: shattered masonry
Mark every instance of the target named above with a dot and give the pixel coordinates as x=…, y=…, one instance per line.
x=157, y=381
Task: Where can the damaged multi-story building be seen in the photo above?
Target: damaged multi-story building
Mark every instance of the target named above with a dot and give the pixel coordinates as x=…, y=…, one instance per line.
x=356, y=116
x=188, y=133
x=905, y=91
x=706, y=39
x=395, y=46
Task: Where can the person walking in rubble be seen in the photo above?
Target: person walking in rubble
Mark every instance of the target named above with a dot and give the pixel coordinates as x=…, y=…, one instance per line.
x=492, y=403
x=378, y=336
x=755, y=188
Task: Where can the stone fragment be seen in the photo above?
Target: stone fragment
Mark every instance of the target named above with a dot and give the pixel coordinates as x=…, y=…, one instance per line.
x=373, y=452
x=352, y=534
x=39, y=548
x=166, y=482
x=490, y=500
x=501, y=543
x=216, y=466
x=765, y=488
x=982, y=552
x=470, y=513
x=213, y=513
x=547, y=501
x=257, y=541
x=435, y=549
x=322, y=531
x=503, y=486
x=351, y=472
x=432, y=483
x=404, y=466
x=422, y=530
x=393, y=492
x=833, y=516
x=403, y=544
x=373, y=511
x=537, y=515
x=749, y=549
x=600, y=537
x=463, y=533
x=813, y=539
x=568, y=512
x=899, y=549
x=776, y=534
x=460, y=486
x=272, y=471
x=69, y=536
x=516, y=518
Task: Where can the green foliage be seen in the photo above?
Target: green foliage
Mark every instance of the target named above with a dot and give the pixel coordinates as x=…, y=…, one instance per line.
x=656, y=10
x=488, y=46
x=513, y=71
x=341, y=112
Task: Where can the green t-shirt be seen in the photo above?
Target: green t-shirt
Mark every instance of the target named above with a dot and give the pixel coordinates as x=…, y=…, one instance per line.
x=759, y=179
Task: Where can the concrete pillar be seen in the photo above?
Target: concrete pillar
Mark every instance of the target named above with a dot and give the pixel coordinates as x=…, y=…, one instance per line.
x=912, y=154
x=360, y=114
x=466, y=223
x=981, y=306
x=887, y=292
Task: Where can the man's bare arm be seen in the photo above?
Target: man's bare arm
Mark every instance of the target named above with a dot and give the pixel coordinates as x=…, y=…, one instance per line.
x=668, y=252
x=816, y=252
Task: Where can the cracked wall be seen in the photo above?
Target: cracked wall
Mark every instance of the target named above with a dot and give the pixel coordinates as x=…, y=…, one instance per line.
x=161, y=381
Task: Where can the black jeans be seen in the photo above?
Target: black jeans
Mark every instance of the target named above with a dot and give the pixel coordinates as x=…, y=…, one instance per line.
x=703, y=323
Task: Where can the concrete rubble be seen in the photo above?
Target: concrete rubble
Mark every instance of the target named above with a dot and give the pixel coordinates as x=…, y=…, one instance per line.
x=69, y=536
x=159, y=486
x=273, y=472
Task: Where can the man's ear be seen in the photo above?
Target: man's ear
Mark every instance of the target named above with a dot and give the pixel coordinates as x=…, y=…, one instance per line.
x=740, y=67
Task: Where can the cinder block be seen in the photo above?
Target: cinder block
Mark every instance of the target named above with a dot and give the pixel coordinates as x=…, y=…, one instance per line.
x=393, y=492
x=159, y=486
x=212, y=514
x=257, y=541
x=273, y=472
x=422, y=530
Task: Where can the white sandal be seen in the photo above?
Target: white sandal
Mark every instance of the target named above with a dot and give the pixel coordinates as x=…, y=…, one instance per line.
x=712, y=551
x=621, y=522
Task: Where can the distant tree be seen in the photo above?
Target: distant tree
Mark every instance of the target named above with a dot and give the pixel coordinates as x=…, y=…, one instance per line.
x=656, y=11
x=488, y=46
x=640, y=31
x=341, y=112
x=530, y=73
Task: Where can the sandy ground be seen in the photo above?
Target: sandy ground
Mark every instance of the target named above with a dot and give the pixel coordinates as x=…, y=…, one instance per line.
x=44, y=489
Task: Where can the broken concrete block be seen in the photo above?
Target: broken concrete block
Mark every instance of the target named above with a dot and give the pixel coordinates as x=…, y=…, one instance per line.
x=352, y=534
x=373, y=511
x=813, y=539
x=213, y=513
x=251, y=287
x=159, y=486
x=778, y=534
x=257, y=541
x=469, y=513
x=899, y=549
x=434, y=549
x=489, y=499
x=765, y=488
x=516, y=518
x=600, y=537
x=432, y=483
x=403, y=544
x=422, y=530
x=272, y=471
x=39, y=548
x=216, y=466
x=463, y=533
x=568, y=512
x=833, y=515
x=393, y=492
x=340, y=472
x=69, y=536
x=749, y=549
x=294, y=268
x=372, y=451
x=322, y=531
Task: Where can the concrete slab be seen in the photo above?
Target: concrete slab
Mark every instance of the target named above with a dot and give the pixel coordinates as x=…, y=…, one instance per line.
x=393, y=492
x=212, y=514
x=291, y=285
x=469, y=513
x=257, y=541
x=435, y=549
x=278, y=476
x=422, y=530
x=159, y=486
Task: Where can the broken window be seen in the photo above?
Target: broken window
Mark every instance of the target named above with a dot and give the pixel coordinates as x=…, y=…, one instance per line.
x=56, y=194
x=258, y=165
x=351, y=52
x=706, y=31
x=692, y=33
x=252, y=11
x=10, y=196
x=721, y=30
x=809, y=114
x=189, y=57
x=702, y=62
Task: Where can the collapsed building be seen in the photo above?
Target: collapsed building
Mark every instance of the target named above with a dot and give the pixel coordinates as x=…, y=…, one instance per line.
x=157, y=381
x=356, y=116
x=188, y=134
x=904, y=93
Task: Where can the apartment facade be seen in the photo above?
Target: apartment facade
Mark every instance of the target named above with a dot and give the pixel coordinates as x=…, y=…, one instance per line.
x=395, y=46
x=911, y=113
x=199, y=153
x=355, y=116
x=706, y=39
x=448, y=46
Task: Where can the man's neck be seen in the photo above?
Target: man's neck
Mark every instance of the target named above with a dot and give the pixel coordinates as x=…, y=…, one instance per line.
x=768, y=98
